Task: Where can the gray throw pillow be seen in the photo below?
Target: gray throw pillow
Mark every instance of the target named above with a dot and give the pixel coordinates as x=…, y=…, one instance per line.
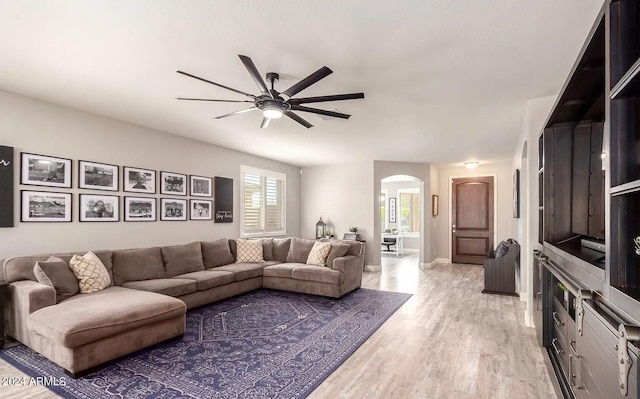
x=281, y=249
x=56, y=273
x=181, y=259
x=337, y=251
x=299, y=250
x=217, y=253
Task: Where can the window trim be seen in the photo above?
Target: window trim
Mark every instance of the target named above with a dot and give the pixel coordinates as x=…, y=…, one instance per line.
x=412, y=190
x=269, y=174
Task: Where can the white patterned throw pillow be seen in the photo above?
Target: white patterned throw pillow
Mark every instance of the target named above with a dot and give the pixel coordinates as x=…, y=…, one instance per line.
x=319, y=253
x=91, y=274
x=249, y=251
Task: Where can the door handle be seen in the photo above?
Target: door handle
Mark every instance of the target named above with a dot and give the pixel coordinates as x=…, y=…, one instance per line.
x=538, y=300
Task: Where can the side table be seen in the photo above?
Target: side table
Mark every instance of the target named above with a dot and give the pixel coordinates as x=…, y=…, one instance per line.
x=3, y=286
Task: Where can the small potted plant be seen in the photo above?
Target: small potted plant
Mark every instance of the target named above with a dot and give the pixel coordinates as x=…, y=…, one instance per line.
x=353, y=229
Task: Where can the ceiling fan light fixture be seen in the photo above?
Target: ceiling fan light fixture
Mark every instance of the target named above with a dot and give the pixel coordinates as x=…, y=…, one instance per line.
x=272, y=110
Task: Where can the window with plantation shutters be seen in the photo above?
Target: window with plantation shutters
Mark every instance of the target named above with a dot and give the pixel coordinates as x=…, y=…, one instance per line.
x=409, y=211
x=263, y=202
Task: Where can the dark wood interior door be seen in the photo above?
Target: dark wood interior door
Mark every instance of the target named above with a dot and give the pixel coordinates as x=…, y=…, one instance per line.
x=472, y=219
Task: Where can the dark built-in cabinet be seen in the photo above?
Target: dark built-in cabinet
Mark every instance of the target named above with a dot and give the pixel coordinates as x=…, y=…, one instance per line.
x=586, y=272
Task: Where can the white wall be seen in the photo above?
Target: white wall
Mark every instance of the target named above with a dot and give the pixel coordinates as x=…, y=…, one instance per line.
x=341, y=195
x=435, y=220
x=503, y=173
x=39, y=127
x=536, y=113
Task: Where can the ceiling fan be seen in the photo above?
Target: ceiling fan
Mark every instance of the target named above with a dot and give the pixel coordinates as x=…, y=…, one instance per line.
x=271, y=102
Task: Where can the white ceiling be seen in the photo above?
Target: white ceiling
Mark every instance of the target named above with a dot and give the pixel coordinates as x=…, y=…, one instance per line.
x=445, y=81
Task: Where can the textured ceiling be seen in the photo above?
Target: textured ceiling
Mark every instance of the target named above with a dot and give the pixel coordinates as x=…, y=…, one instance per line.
x=445, y=81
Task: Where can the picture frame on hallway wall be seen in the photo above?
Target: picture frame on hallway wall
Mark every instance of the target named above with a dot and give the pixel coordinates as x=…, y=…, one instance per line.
x=516, y=194
x=45, y=206
x=43, y=170
x=392, y=210
x=435, y=205
x=137, y=180
x=99, y=208
x=98, y=176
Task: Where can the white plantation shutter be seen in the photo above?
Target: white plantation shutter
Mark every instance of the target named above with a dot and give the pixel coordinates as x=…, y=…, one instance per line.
x=263, y=210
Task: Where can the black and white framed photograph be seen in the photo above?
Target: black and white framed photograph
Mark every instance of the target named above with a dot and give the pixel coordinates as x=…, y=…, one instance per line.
x=97, y=176
x=201, y=186
x=43, y=170
x=139, y=209
x=173, y=209
x=45, y=206
x=392, y=210
x=99, y=208
x=138, y=180
x=201, y=209
x=173, y=183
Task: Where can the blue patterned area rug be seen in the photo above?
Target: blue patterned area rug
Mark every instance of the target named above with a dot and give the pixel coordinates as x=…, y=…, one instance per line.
x=264, y=344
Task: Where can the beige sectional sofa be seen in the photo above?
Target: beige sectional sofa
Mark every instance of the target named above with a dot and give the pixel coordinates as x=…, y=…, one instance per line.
x=150, y=291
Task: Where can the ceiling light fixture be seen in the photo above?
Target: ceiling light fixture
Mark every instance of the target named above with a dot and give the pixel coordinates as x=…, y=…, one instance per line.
x=272, y=111
x=471, y=165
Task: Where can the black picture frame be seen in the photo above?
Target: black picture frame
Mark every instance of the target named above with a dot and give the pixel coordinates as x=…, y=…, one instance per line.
x=200, y=209
x=45, y=170
x=392, y=210
x=7, y=188
x=45, y=206
x=138, y=180
x=99, y=208
x=98, y=176
x=223, y=199
x=516, y=194
x=200, y=186
x=172, y=183
x=140, y=209
x=173, y=209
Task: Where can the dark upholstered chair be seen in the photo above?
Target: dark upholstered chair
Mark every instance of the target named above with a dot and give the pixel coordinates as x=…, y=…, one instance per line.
x=500, y=271
x=388, y=242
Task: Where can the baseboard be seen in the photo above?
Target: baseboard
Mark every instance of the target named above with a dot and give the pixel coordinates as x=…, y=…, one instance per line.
x=441, y=260
x=523, y=296
x=528, y=319
x=373, y=268
x=424, y=266
x=411, y=250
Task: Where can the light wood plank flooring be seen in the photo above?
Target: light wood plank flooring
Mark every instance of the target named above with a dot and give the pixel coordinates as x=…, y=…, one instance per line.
x=448, y=341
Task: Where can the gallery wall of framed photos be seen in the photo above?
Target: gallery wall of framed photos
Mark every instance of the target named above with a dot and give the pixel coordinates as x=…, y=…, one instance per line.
x=56, y=206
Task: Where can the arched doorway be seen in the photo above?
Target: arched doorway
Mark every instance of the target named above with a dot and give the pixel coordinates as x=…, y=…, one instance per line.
x=401, y=216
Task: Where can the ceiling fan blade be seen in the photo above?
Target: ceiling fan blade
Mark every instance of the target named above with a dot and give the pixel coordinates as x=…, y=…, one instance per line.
x=242, y=111
x=308, y=81
x=298, y=119
x=216, y=84
x=320, y=99
x=265, y=123
x=320, y=111
x=209, y=99
x=253, y=71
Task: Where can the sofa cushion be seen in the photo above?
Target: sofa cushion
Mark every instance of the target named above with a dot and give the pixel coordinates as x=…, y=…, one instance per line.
x=299, y=250
x=56, y=273
x=280, y=270
x=209, y=278
x=281, y=249
x=317, y=274
x=249, y=251
x=86, y=318
x=243, y=271
x=91, y=274
x=319, y=253
x=267, y=249
x=167, y=286
x=21, y=267
x=181, y=259
x=216, y=253
x=138, y=264
x=337, y=250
